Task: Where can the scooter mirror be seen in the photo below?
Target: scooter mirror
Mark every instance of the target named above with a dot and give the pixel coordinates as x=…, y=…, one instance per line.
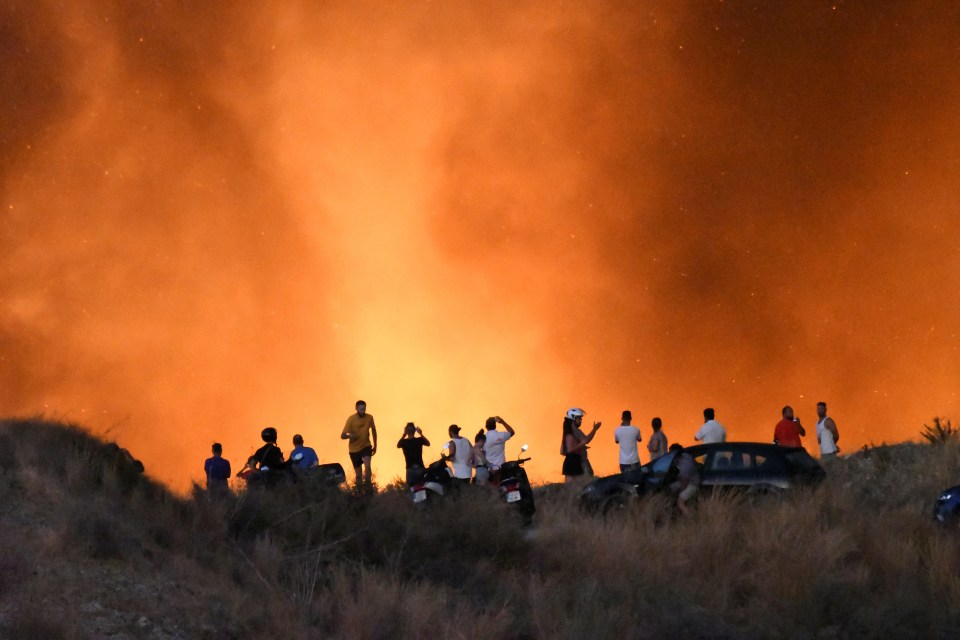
x=524, y=448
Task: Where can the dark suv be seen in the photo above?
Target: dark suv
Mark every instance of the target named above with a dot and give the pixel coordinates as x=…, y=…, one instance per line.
x=751, y=466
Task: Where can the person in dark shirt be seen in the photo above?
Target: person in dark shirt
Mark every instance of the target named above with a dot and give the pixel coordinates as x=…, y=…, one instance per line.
x=217, y=469
x=412, y=443
x=269, y=457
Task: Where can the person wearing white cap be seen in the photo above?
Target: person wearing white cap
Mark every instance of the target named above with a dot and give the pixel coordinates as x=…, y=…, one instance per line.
x=575, y=415
x=574, y=446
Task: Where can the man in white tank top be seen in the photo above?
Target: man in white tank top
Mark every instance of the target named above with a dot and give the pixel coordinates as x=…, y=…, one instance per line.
x=460, y=454
x=827, y=434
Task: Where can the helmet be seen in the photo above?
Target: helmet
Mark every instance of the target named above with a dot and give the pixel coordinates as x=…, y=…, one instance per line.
x=269, y=434
x=574, y=412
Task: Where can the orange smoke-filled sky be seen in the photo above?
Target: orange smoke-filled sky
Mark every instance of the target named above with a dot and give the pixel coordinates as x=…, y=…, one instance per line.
x=218, y=217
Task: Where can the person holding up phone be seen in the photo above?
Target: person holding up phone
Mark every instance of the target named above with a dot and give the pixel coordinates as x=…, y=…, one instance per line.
x=573, y=447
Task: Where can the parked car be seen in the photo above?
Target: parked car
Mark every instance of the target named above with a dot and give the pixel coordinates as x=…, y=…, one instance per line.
x=947, y=508
x=749, y=466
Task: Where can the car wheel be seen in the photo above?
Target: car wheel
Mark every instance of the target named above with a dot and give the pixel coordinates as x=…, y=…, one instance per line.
x=615, y=503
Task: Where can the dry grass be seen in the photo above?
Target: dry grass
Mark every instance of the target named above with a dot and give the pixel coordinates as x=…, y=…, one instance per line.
x=858, y=558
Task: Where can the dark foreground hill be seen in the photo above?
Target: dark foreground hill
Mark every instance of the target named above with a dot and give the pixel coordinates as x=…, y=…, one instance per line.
x=89, y=548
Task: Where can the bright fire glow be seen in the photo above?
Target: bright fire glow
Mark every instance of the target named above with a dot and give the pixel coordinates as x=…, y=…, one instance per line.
x=220, y=217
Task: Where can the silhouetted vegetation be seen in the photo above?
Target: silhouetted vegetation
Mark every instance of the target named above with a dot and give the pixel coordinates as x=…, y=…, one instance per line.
x=940, y=432
x=858, y=557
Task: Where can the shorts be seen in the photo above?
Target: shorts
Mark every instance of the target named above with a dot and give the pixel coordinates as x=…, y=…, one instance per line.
x=629, y=467
x=357, y=457
x=573, y=465
x=414, y=474
x=689, y=492
x=482, y=475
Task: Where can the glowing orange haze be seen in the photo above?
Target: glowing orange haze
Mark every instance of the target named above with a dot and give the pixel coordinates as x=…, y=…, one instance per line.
x=217, y=219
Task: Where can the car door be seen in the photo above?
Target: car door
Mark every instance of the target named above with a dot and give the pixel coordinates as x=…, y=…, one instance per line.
x=770, y=470
x=655, y=472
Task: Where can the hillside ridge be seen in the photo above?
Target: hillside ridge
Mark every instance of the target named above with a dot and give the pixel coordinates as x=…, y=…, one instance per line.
x=91, y=548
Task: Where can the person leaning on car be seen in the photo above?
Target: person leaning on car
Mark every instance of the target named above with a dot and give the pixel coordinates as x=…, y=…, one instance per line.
x=788, y=431
x=688, y=478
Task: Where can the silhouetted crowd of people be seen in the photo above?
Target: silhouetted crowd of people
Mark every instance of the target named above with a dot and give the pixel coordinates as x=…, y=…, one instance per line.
x=479, y=462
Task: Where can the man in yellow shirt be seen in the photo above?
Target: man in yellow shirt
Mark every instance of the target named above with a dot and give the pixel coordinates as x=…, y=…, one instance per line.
x=359, y=428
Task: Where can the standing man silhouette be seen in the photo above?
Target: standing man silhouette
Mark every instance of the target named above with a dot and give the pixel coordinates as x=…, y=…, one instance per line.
x=217, y=469
x=627, y=436
x=711, y=430
x=358, y=430
x=827, y=433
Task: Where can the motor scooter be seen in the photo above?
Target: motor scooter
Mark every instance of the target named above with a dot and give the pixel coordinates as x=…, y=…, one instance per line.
x=433, y=484
x=515, y=487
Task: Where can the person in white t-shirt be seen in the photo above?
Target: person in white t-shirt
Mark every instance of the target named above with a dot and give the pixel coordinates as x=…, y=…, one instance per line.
x=711, y=430
x=494, y=445
x=461, y=452
x=627, y=436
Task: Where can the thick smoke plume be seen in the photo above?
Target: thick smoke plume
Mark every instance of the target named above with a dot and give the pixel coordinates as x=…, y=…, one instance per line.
x=221, y=216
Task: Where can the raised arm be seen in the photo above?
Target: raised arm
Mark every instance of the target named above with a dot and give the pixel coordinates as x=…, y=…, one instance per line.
x=580, y=444
x=506, y=426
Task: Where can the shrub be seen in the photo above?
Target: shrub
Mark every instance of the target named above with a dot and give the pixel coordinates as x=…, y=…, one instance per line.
x=940, y=432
